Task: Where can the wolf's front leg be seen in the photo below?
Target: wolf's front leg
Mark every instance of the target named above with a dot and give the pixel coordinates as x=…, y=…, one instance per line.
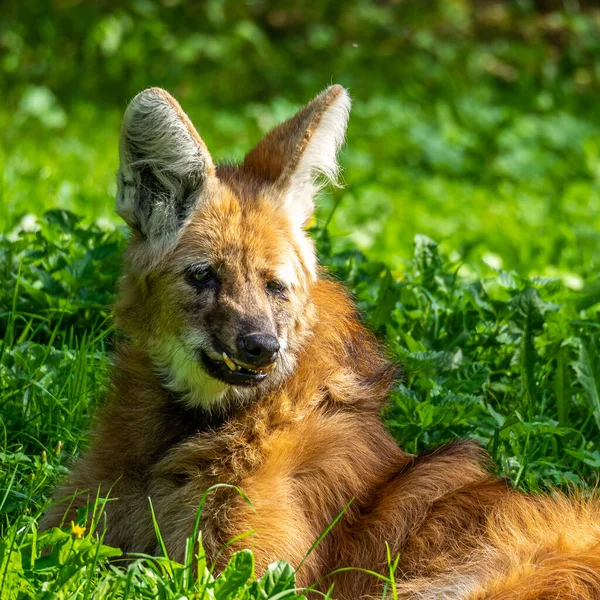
x=268, y=519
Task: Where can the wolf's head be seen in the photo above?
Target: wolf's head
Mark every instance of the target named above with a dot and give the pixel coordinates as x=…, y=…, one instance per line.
x=219, y=268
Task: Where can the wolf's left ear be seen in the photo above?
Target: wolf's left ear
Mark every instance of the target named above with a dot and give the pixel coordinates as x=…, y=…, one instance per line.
x=164, y=167
x=294, y=155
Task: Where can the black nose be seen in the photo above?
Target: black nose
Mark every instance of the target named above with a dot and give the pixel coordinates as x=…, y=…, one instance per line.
x=258, y=349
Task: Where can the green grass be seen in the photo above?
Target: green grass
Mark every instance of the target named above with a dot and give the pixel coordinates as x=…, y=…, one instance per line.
x=479, y=132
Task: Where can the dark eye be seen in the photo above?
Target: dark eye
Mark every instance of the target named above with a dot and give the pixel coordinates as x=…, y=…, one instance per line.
x=202, y=277
x=277, y=288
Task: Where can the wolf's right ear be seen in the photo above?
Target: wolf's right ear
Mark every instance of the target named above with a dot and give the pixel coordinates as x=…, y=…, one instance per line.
x=164, y=166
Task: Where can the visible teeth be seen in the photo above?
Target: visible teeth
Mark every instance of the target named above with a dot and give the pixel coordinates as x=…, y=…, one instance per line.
x=233, y=366
x=230, y=364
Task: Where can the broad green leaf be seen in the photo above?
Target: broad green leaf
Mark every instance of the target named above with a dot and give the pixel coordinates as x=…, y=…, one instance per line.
x=235, y=575
x=279, y=577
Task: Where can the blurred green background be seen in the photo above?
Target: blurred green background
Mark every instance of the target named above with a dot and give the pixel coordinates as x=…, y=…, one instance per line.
x=474, y=122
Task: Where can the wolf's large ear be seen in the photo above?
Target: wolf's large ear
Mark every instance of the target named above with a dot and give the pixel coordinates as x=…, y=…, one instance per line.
x=294, y=155
x=164, y=166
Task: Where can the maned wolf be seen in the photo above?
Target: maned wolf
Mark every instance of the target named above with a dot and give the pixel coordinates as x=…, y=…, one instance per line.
x=246, y=365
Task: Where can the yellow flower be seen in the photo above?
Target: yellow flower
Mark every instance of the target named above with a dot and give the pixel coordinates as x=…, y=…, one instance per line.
x=76, y=530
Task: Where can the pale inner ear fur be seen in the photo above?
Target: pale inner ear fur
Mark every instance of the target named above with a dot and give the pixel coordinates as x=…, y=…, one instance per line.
x=164, y=166
x=317, y=162
x=291, y=160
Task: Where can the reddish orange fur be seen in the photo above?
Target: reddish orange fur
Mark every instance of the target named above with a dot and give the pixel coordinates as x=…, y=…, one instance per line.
x=305, y=449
